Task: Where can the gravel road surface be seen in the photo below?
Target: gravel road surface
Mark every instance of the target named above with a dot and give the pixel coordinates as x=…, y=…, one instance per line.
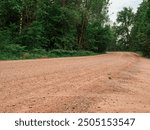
x=112, y=82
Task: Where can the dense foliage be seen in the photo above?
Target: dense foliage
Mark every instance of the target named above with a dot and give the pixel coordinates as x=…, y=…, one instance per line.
x=125, y=21
x=35, y=28
x=133, y=30
x=29, y=25
x=141, y=29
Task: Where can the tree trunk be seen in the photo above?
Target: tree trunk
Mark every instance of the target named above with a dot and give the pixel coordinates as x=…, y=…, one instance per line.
x=81, y=28
x=21, y=22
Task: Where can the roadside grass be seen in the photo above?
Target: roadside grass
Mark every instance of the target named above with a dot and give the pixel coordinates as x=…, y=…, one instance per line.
x=40, y=53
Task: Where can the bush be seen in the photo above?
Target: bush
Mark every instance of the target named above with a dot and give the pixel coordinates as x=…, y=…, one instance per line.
x=8, y=48
x=11, y=51
x=64, y=53
x=32, y=36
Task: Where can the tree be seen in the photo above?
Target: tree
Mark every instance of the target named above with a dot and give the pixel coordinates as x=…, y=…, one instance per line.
x=90, y=11
x=112, y=46
x=141, y=29
x=125, y=21
x=55, y=24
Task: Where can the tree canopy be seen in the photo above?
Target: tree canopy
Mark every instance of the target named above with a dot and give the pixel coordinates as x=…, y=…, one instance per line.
x=41, y=26
x=141, y=29
x=125, y=21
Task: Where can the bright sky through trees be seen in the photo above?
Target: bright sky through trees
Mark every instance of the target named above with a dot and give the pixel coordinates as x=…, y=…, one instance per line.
x=117, y=5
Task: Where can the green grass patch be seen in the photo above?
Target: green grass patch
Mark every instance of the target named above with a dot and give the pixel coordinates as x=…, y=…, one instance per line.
x=40, y=53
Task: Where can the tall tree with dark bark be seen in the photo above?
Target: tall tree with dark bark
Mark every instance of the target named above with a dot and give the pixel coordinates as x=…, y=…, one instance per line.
x=125, y=21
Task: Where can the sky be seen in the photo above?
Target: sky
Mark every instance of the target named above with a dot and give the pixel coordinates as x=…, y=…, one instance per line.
x=117, y=5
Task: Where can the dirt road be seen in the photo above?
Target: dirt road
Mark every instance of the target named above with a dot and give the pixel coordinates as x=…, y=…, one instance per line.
x=113, y=82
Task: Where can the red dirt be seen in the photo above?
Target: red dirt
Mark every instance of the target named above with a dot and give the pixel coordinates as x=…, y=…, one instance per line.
x=113, y=82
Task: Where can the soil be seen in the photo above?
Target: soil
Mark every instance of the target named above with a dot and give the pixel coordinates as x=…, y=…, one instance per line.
x=112, y=82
